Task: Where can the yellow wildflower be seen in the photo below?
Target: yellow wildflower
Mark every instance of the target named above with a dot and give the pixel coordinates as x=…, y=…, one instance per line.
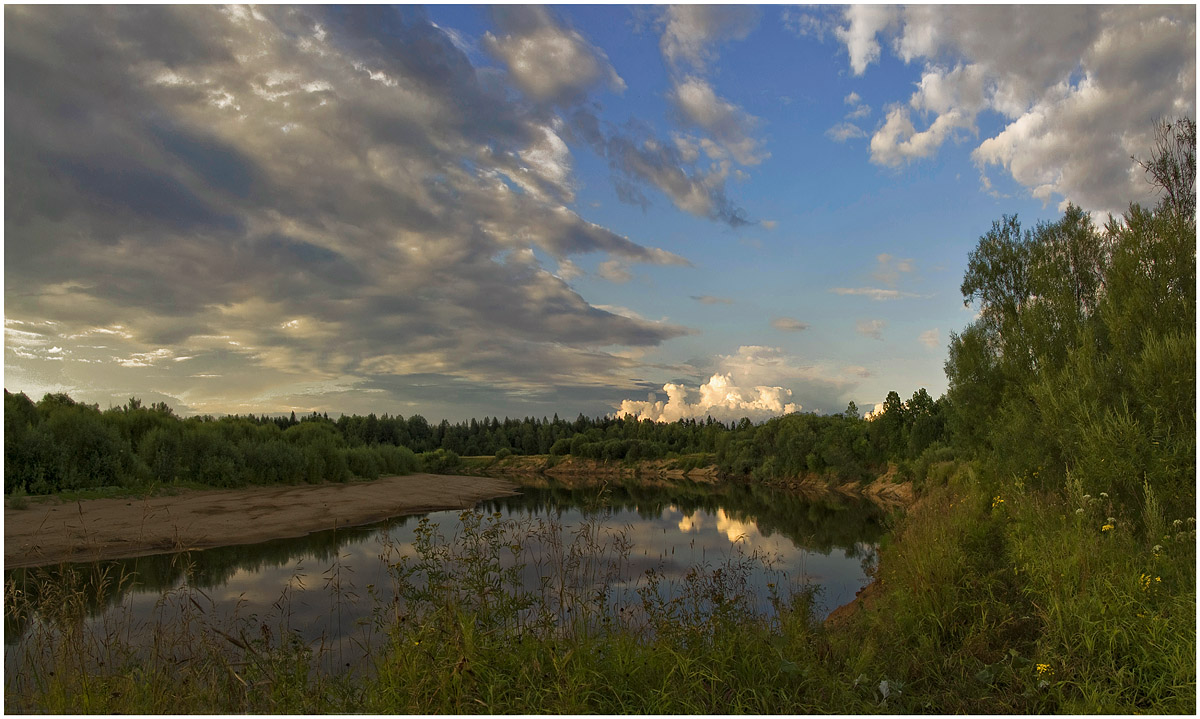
x=1045, y=670
x=1106, y=528
x=996, y=502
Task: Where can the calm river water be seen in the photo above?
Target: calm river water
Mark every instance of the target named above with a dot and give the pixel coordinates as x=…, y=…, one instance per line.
x=828, y=542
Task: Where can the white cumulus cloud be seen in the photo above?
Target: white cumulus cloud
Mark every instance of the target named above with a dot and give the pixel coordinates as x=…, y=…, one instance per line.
x=1078, y=88
x=718, y=398
x=756, y=382
x=864, y=22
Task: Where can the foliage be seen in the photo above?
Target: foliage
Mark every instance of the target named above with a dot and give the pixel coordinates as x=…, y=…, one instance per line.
x=1083, y=358
x=59, y=445
x=1001, y=598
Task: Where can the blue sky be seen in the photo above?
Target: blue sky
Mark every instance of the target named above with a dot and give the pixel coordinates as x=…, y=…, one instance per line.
x=463, y=211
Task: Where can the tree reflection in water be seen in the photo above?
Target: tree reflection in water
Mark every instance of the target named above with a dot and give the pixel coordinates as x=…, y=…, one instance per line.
x=828, y=541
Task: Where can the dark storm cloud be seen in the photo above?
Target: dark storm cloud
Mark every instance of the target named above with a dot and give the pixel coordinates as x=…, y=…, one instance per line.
x=305, y=194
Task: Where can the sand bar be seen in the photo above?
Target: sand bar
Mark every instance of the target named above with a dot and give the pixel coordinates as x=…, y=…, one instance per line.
x=53, y=532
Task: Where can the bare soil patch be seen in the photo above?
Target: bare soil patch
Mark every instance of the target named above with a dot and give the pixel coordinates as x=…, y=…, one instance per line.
x=113, y=528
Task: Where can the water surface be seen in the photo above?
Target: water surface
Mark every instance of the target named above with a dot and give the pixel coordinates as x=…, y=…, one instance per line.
x=328, y=585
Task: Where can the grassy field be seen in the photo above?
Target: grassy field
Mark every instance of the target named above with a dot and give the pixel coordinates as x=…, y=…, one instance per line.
x=991, y=598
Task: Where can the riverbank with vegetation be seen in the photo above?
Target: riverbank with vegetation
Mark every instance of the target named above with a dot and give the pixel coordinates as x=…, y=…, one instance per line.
x=892, y=488
x=993, y=597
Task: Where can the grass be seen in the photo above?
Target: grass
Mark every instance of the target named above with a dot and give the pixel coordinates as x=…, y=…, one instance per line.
x=1002, y=600
x=993, y=599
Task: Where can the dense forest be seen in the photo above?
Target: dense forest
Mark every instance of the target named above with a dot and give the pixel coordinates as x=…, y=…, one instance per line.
x=58, y=444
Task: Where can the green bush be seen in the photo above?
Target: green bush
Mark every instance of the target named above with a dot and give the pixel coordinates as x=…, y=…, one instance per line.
x=363, y=462
x=439, y=461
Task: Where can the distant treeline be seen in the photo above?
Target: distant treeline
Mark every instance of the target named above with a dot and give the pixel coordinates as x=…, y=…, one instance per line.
x=59, y=444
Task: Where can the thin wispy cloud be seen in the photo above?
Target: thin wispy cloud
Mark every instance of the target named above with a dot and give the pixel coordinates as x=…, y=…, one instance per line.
x=712, y=300
x=875, y=293
x=789, y=324
x=870, y=328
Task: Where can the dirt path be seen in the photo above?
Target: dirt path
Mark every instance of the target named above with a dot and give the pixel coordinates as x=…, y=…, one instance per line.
x=110, y=528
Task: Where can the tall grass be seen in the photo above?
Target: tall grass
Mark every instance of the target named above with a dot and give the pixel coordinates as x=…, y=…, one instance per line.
x=999, y=599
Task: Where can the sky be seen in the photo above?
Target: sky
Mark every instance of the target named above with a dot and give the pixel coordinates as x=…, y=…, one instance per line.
x=467, y=211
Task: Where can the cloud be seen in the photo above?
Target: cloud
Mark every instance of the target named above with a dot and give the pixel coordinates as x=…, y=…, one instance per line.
x=691, y=32
x=864, y=22
x=857, y=370
x=845, y=131
x=614, y=271
x=286, y=196
x=717, y=398
x=711, y=300
x=870, y=328
x=888, y=268
x=636, y=156
x=689, y=41
x=1078, y=89
x=731, y=126
x=818, y=23
x=788, y=324
x=875, y=293
x=931, y=338
x=548, y=62
x=899, y=141
x=876, y=412
x=755, y=382
x=860, y=110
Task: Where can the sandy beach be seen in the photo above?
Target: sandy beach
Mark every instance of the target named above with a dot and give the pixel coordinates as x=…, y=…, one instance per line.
x=53, y=532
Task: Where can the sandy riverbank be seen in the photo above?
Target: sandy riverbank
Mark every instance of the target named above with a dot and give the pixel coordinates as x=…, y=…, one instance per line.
x=110, y=528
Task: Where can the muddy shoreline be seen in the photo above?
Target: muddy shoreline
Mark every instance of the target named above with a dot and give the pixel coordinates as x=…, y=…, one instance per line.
x=97, y=529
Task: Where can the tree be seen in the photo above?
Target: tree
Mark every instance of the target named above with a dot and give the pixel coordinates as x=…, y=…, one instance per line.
x=1172, y=167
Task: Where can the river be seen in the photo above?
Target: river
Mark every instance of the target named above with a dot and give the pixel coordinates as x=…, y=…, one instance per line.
x=329, y=587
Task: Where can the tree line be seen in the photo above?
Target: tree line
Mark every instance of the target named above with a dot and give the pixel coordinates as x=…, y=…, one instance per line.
x=59, y=444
